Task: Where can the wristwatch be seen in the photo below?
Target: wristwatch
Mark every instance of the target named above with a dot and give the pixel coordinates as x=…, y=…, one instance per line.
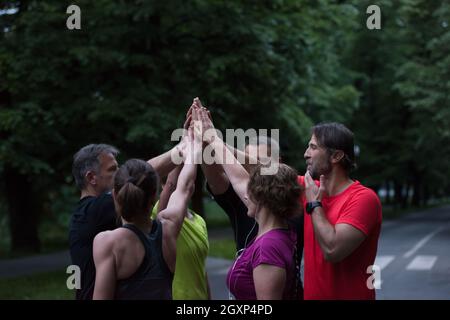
x=311, y=205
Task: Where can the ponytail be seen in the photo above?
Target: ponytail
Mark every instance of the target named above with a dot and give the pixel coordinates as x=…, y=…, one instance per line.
x=135, y=184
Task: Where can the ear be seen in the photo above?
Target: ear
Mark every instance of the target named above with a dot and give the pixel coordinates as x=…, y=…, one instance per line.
x=337, y=156
x=91, y=178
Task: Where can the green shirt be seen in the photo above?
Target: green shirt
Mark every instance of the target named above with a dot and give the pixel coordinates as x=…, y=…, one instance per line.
x=189, y=282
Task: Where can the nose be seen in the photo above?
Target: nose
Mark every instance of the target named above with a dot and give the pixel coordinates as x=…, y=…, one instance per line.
x=306, y=154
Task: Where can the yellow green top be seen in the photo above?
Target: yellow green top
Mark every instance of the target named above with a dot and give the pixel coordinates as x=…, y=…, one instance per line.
x=189, y=282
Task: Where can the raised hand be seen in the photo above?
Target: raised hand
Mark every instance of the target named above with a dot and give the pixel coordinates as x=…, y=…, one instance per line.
x=312, y=191
x=209, y=132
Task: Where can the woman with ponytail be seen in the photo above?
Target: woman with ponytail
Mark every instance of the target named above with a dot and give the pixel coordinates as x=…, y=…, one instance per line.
x=137, y=261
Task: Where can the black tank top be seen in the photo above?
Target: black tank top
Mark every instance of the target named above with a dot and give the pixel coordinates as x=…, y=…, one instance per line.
x=153, y=279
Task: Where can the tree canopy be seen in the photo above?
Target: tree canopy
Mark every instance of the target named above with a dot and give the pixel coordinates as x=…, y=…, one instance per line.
x=129, y=75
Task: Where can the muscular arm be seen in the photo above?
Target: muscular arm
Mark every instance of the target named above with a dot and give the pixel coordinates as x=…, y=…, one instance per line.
x=248, y=162
x=217, y=179
x=105, y=267
x=269, y=282
x=336, y=242
x=163, y=163
x=169, y=188
x=172, y=217
x=235, y=172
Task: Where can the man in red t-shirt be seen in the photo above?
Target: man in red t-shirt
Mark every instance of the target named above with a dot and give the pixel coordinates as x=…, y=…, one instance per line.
x=342, y=219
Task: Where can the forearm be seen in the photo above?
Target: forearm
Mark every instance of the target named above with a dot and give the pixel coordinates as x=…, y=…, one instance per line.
x=235, y=172
x=169, y=188
x=187, y=176
x=217, y=180
x=163, y=163
x=248, y=161
x=324, y=232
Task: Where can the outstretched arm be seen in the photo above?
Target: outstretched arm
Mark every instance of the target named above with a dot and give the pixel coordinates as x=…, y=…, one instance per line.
x=249, y=162
x=169, y=187
x=235, y=172
x=172, y=217
x=217, y=179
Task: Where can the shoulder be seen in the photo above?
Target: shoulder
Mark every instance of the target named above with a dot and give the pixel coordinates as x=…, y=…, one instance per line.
x=198, y=218
x=111, y=239
x=101, y=203
x=104, y=198
x=274, y=248
x=104, y=243
x=280, y=236
x=277, y=241
x=364, y=194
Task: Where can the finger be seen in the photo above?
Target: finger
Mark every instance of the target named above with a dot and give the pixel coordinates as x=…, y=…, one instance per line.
x=191, y=131
x=322, y=181
x=199, y=103
x=187, y=123
x=203, y=116
x=308, y=179
x=322, y=185
x=189, y=112
x=207, y=120
x=195, y=114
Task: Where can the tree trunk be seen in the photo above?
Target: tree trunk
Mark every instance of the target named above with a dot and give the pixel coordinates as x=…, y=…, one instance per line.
x=23, y=216
x=389, y=199
x=405, y=195
x=398, y=197
x=417, y=192
x=426, y=195
x=197, y=197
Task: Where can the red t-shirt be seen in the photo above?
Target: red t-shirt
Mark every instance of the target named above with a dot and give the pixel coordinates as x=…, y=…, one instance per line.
x=357, y=206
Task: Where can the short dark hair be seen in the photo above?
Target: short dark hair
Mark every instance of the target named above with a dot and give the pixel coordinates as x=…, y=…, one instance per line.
x=335, y=136
x=135, y=184
x=86, y=159
x=280, y=192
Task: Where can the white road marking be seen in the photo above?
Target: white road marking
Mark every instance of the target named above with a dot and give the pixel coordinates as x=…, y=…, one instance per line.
x=422, y=263
x=421, y=243
x=383, y=261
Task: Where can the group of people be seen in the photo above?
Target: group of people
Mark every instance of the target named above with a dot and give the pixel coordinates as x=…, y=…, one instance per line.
x=131, y=242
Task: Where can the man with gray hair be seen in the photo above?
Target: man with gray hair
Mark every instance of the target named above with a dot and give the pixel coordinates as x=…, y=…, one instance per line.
x=94, y=167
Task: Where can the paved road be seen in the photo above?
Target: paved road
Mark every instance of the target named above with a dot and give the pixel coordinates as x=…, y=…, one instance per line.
x=413, y=256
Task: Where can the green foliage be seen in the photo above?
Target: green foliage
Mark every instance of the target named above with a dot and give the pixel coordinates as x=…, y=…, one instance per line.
x=45, y=286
